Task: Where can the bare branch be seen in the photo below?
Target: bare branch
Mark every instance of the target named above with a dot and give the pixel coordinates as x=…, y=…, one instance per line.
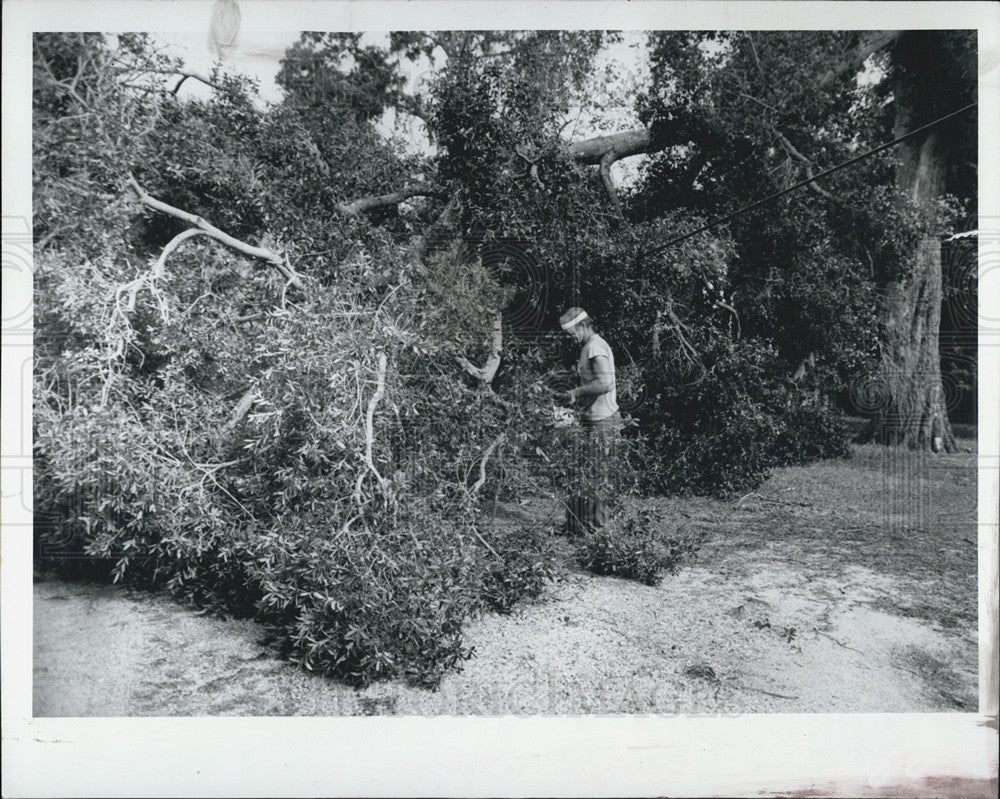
x=794, y=153
x=157, y=271
x=70, y=90
x=592, y=151
x=534, y=174
x=357, y=207
x=790, y=149
x=609, y=183
x=761, y=103
x=736, y=316
x=369, y=431
x=242, y=408
x=678, y=328
x=528, y=160
x=420, y=243
x=174, y=243
x=184, y=75
x=482, y=464
x=753, y=50
x=273, y=258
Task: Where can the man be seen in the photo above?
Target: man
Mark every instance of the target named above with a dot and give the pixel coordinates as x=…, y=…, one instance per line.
x=601, y=423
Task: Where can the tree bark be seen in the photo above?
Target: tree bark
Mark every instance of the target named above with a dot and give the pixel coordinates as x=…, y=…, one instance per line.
x=634, y=142
x=911, y=406
x=622, y=145
x=271, y=257
x=357, y=207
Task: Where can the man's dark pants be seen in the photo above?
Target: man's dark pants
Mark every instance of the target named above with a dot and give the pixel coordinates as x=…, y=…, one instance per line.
x=588, y=507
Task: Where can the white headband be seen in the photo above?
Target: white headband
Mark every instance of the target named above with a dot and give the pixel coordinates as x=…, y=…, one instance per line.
x=574, y=321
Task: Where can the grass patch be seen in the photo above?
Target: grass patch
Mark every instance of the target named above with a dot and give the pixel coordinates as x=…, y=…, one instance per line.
x=894, y=511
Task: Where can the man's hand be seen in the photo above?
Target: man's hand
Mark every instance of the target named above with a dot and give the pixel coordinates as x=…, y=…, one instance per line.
x=572, y=396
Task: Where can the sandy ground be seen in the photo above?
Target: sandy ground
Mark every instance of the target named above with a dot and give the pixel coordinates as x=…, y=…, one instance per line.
x=801, y=600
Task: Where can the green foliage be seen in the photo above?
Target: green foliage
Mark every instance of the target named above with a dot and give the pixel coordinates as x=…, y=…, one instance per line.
x=370, y=603
x=280, y=518
x=634, y=545
x=334, y=73
x=730, y=419
x=460, y=301
x=716, y=426
x=740, y=115
x=346, y=506
x=521, y=565
x=811, y=432
x=363, y=570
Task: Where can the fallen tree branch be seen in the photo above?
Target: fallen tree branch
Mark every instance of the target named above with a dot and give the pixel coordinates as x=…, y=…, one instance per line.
x=273, y=258
x=157, y=271
x=482, y=464
x=736, y=316
x=172, y=245
x=359, y=206
x=485, y=373
x=678, y=327
x=370, y=432
x=242, y=408
x=609, y=182
x=486, y=544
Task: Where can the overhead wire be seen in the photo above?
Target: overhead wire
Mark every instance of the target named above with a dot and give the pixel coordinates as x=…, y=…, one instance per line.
x=715, y=222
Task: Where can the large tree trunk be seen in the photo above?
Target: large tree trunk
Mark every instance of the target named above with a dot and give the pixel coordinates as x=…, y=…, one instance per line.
x=911, y=408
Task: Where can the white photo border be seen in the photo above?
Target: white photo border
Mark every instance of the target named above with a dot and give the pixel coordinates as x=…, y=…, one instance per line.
x=824, y=754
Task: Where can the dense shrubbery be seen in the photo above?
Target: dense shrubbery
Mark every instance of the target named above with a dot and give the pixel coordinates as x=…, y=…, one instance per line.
x=812, y=432
x=714, y=408
x=362, y=570
x=634, y=545
x=722, y=432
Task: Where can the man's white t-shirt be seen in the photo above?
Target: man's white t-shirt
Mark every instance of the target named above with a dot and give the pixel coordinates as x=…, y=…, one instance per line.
x=604, y=405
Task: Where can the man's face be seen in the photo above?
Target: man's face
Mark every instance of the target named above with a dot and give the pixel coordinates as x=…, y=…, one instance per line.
x=576, y=333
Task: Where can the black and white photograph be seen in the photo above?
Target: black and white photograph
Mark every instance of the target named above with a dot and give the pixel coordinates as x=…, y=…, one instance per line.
x=566, y=370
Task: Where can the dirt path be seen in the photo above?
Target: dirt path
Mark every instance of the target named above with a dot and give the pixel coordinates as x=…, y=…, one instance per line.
x=804, y=604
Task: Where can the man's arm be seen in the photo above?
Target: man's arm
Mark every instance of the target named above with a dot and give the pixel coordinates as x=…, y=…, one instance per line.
x=602, y=383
